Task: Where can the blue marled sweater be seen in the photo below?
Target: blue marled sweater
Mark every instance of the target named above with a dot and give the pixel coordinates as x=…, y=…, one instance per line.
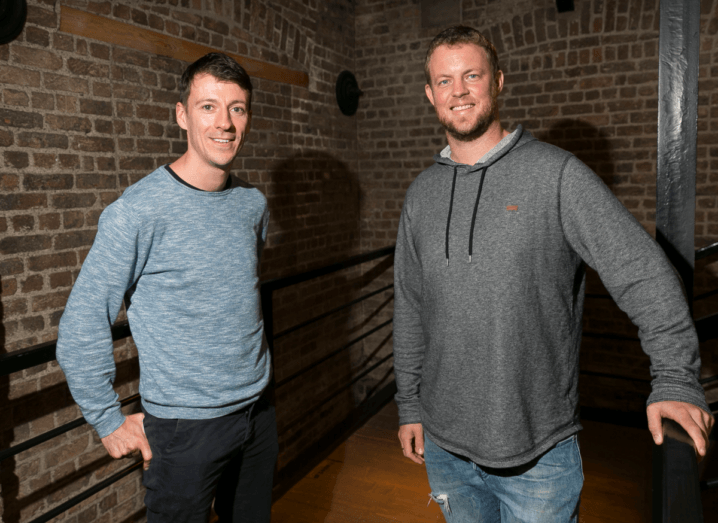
x=189, y=262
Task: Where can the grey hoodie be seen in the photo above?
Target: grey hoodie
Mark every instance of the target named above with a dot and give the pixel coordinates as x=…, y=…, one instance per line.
x=490, y=279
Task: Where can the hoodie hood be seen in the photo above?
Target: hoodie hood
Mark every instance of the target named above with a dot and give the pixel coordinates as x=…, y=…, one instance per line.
x=500, y=150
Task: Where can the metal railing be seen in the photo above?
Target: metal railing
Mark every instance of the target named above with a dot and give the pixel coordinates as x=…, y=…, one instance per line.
x=45, y=353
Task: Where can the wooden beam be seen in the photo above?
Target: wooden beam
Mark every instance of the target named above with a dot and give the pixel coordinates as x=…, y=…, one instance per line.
x=95, y=27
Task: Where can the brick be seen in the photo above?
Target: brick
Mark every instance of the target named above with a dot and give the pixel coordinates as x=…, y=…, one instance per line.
x=74, y=239
x=96, y=181
x=8, y=287
x=43, y=101
x=88, y=106
x=72, y=84
x=22, y=244
x=60, y=279
x=9, y=182
x=52, y=261
x=87, y=68
x=69, y=123
x=73, y=200
x=6, y=138
x=139, y=17
x=137, y=164
x=20, y=119
x=131, y=92
x=103, y=126
x=152, y=146
x=33, y=283
x=16, y=159
x=48, y=182
x=23, y=223
x=49, y=222
x=42, y=17
x=53, y=300
x=16, y=98
x=153, y=112
x=123, y=55
x=37, y=140
x=19, y=76
x=73, y=219
x=93, y=144
x=11, y=266
x=34, y=57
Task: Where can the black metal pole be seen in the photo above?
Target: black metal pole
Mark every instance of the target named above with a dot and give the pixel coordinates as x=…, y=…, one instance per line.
x=679, y=48
x=677, y=133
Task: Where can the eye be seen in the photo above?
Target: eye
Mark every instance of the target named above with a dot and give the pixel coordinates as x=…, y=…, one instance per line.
x=443, y=82
x=207, y=107
x=238, y=110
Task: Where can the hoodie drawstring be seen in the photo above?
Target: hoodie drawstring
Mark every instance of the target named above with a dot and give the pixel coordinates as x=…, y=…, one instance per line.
x=476, y=208
x=473, y=217
x=448, y=220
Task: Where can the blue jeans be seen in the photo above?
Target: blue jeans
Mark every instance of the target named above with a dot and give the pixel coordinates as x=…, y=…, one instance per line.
x=230, y=459
x=546, y=490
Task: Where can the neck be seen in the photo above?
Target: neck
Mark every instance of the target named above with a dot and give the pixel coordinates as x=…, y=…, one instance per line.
x=210, y=179
x=471, y=152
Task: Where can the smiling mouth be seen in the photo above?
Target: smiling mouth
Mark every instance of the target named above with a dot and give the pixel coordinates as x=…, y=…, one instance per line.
x=462, y=107
x=218, y=140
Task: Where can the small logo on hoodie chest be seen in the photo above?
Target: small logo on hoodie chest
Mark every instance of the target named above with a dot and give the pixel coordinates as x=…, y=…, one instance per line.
x=512, y=207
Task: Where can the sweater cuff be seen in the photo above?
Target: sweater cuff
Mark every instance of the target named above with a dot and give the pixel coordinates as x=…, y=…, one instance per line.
x=110, y=423
x=674, y=392
x=409, y=412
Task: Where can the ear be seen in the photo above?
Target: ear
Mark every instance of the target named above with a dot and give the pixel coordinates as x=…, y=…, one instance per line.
x=181, y=113
x=429, y=94
x=499, y=81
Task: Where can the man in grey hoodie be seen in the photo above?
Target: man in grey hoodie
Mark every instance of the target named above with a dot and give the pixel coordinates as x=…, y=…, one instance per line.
x=490, y=277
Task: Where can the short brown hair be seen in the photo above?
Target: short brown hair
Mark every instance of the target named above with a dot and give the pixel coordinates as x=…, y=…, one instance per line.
x=458, y=35
x=224, y=68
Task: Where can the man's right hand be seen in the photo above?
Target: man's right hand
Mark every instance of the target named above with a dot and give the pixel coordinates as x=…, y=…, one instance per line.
x=129, y=438
x=411, y=437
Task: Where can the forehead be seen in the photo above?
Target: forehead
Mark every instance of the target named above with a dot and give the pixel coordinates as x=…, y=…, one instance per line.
x=449, y=58
x=206, y=86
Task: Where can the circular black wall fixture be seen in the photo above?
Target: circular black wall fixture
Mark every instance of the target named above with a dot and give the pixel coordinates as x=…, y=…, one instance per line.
x=348, y=93
x=12, y=19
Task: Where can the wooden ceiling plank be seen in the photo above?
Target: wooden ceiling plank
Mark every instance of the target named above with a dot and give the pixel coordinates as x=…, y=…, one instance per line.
x=95, y=27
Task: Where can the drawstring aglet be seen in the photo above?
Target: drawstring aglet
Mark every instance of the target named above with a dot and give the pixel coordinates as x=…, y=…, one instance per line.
x=447, y=262
x=469, y=258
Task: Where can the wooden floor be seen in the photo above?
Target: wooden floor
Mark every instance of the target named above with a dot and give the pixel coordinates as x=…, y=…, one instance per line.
x=367, y=479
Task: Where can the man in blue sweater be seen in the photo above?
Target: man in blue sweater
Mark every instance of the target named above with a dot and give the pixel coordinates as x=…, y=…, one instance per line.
x=490, y=278
x=182, y=248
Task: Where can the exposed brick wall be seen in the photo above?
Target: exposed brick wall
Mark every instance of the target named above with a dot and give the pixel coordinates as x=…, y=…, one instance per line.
x=80, y=120
x=586, y=81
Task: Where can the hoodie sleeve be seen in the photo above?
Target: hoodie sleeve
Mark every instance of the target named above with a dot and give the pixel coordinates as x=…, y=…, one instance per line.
x=639, y=277
x=84, y=342
x=409, y=341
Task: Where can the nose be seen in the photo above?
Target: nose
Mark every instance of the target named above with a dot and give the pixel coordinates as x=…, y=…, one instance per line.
x=459, y=88
x=223, y=120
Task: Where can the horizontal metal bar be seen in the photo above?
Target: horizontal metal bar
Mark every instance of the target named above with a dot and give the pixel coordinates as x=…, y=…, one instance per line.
x=705, y=295
x=42, y=438
x=82, y=496
x=45, y=352
x=711, y=379
x=335, y=392
x=329, y=313
x=617, y=337
x=331, y=354
x=704, y=252
x=711, y=483
x=707, y=327
x=615, y=376
x=280, y=283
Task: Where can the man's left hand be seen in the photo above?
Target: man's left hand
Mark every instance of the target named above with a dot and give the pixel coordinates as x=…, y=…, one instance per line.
x=696, y=422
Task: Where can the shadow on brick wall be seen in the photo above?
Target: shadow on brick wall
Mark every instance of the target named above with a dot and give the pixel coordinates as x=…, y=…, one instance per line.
x=314, y=200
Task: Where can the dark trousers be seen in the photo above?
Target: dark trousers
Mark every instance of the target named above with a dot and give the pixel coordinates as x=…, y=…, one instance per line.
x=230, y=459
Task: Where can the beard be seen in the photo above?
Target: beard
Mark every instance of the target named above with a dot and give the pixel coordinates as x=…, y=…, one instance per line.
x=480, y=126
